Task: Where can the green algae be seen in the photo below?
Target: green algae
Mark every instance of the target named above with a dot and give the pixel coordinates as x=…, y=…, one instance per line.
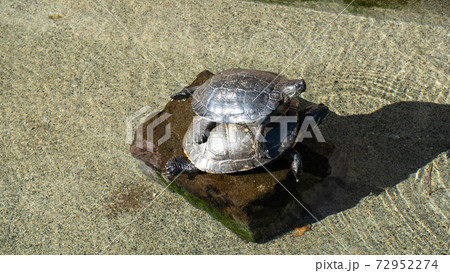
x=237, y=227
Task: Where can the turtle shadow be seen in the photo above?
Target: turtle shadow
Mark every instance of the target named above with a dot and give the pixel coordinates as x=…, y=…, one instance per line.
x=377, y=151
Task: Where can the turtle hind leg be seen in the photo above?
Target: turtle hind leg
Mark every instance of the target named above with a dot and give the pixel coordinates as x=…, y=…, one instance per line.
x=180, y=164
x=183, y=94
x=296, y=163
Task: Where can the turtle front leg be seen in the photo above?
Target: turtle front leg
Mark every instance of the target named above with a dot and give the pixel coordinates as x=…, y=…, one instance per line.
x=183, y=94
x=317, y=111
x=179, y=164
x=261, y=150
x=202, y=128
x=296, y=163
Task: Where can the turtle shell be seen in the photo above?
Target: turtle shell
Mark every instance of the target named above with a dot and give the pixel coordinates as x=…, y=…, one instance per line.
x=238, y=96
x=231, y=147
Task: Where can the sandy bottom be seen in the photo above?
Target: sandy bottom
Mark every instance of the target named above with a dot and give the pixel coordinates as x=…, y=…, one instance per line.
x=67, y=86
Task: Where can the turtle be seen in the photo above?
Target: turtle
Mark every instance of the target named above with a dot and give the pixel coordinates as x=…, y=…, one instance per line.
x=240, y=96
x=231, y=147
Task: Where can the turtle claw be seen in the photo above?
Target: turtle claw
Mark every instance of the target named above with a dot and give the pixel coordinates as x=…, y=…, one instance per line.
x=179, y=97
x=172, y=167
x=202, y=129
x=297, y=176
x=296, y=163
x=200, y=138
x=179, y=164
x=183, y=94
x=317, y=111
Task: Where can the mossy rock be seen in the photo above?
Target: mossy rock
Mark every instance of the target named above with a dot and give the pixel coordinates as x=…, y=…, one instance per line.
x=256, y=205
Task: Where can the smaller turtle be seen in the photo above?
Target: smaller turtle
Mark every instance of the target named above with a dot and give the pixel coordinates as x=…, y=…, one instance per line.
x=231, y=147
x=240, y=96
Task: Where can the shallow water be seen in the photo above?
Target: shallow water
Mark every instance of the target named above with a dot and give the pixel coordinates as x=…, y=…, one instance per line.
x=434, y=12
x=69, y=184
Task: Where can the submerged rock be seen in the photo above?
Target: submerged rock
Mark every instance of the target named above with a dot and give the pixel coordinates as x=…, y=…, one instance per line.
x=256, y=205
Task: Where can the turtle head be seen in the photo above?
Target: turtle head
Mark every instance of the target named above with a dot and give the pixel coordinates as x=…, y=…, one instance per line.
x=293, y=87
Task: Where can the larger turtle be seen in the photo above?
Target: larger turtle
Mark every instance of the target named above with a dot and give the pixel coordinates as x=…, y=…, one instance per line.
x=231, y=147
x=240, y=96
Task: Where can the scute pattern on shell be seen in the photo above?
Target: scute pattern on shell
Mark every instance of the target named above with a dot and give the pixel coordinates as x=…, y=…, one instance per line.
x=232, y=147
x=238, y=96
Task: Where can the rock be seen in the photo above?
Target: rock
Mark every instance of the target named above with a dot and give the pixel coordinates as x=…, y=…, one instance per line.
x=255, y=205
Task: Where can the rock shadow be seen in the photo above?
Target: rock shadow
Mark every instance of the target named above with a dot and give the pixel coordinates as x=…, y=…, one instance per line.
x=376, y=151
